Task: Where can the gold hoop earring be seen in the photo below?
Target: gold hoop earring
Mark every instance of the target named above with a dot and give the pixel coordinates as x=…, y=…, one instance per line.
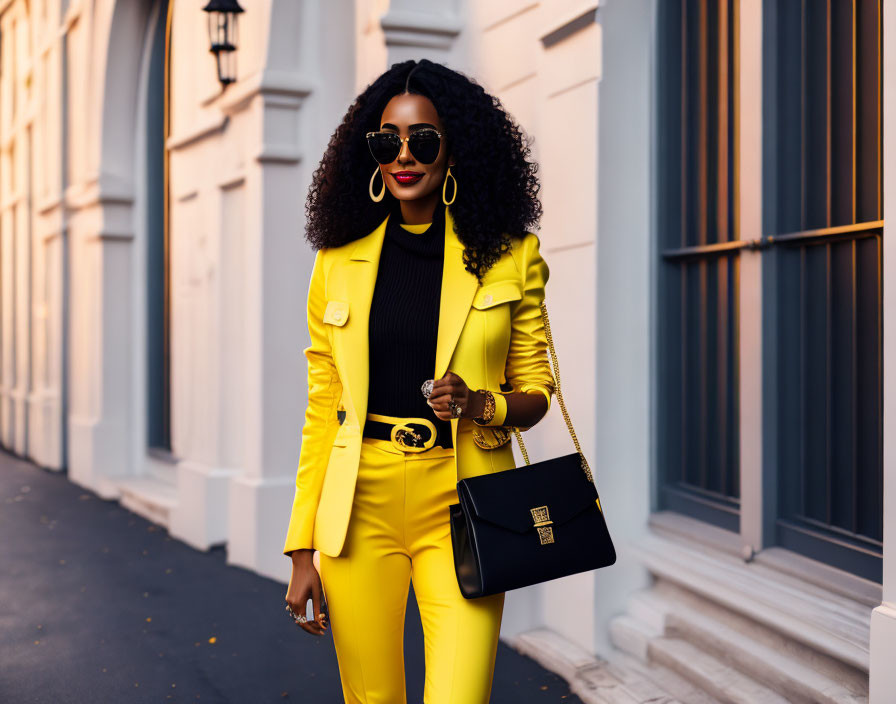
x=445, y=183
x=377, y=198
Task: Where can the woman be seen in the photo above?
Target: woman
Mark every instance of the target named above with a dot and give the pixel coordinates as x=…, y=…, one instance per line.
x=426, y=330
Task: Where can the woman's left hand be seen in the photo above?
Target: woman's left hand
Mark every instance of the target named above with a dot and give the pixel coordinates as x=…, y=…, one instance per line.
x=452, y=386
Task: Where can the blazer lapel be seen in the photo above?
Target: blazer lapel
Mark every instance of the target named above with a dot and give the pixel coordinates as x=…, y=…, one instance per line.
x=360, y=280
x=458, y=289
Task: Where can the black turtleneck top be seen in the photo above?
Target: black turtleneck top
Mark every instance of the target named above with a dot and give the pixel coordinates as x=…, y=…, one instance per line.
x=404, y=318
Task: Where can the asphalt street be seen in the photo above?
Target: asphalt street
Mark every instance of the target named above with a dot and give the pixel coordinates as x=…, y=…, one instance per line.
x=99, y=605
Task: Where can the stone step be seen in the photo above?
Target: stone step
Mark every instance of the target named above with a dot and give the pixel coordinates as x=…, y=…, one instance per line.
x=714, y=677
x=668, y=612
x=667, y=680
x=804, y=613
x=149, y=497
x=595, y=680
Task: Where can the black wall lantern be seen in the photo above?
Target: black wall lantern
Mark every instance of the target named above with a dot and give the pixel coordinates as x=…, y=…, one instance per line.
x=224, y=36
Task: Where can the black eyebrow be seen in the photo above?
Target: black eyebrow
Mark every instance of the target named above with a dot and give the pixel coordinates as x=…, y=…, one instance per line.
x=416, y=124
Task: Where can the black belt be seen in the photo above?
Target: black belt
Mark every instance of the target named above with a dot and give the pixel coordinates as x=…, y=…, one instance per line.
x=409, y=433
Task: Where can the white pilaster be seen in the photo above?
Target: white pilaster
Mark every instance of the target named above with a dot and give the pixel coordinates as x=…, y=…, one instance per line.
x=626, y=288
x=300, y=100
x=883, y=618
x=421, y=28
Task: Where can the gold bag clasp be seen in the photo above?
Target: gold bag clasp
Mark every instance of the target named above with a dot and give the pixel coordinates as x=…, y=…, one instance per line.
x=542, y=522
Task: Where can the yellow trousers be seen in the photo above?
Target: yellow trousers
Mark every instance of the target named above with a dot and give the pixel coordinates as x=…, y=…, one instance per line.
x=399, y=532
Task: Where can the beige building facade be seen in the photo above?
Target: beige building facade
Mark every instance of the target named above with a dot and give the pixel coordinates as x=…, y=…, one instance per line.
x=153, y=277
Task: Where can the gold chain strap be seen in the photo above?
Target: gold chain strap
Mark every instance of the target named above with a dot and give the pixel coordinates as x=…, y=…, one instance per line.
x=556, y=369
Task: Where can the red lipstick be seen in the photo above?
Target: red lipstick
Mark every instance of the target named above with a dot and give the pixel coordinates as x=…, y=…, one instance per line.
x=406, y=178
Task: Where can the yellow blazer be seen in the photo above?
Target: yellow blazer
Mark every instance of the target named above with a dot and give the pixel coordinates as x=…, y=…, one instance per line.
x=487, y=334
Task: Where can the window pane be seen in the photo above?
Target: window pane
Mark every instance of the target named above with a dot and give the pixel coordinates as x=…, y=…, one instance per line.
x=827, y=167
x=698, y=302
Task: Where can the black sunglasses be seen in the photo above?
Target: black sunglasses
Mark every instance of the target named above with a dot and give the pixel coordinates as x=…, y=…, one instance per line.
x=423, y=143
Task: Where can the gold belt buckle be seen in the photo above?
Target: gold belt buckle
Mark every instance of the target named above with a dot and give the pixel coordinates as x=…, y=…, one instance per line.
x=401, y=433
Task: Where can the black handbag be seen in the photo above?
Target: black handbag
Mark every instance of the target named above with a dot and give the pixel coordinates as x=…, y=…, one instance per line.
x=530, y=524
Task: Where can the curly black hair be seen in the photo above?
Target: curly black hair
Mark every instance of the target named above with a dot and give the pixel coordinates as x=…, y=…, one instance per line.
x=497, y=187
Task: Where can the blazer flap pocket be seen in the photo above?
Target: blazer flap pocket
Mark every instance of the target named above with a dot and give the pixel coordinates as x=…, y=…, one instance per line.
x=336, y=312
x=497, y=293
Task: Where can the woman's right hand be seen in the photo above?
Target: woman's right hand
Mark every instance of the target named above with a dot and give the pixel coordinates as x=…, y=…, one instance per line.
x=305, y=584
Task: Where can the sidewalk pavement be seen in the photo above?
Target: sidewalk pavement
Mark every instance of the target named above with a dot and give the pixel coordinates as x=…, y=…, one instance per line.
x=100, y=605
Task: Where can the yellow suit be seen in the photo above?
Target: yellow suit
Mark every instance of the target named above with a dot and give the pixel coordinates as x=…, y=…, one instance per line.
x=487, y=334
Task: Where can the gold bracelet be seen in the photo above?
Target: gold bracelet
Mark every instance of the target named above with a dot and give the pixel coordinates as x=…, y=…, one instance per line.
x=489, y=411
x=495, y=409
